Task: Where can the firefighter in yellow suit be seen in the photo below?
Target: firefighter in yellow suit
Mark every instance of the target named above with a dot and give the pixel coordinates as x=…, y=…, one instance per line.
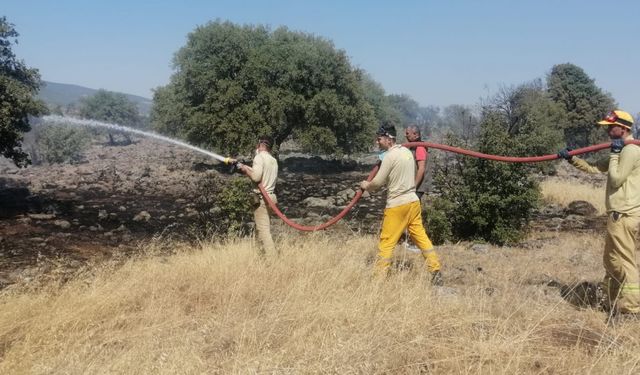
x=622, y=277
x=402, y=211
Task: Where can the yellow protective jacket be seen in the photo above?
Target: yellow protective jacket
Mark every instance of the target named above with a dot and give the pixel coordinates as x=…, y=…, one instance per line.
x=623, y=178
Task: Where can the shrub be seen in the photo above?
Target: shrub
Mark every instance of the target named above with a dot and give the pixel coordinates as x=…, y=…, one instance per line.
x=60, y=144
x=483, y=199
x=225, y=206
x=437, y=222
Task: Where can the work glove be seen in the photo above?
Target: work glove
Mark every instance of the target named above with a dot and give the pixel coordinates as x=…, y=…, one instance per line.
x=238, y=167
x=617, y=145
x=564, y=153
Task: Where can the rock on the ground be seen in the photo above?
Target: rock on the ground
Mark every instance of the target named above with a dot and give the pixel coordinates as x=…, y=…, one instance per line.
x=62, y=224
x=480, y=248
x=552, y=210
x=142, y=216
x=41, y=216
x=582, y=208
x=318, y=202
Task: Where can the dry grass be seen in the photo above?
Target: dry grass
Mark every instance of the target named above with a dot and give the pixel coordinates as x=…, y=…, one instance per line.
x=563, y=191
x=315, y=309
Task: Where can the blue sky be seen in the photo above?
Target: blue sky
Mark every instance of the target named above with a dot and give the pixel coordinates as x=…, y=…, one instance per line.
x=438, y=52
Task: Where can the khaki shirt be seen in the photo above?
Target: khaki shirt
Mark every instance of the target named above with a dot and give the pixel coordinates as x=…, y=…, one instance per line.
x=623, y=178
x=265, y=170
x=397, y=172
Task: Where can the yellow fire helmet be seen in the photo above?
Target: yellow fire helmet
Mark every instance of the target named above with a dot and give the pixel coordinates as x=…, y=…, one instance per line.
x=618, y=117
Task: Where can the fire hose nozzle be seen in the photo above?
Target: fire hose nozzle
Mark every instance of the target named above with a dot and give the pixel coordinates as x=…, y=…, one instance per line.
x=235, y=165
x=231, y=161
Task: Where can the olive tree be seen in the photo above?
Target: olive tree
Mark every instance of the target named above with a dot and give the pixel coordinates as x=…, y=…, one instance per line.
x=232, y=83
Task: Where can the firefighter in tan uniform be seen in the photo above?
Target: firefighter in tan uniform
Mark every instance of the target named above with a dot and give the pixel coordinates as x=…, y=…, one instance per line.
x=403, y=211
x=622, y=277
x=263, y=170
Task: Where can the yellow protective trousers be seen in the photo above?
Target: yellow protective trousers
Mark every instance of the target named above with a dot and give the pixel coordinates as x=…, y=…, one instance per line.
x=396, y=220
x=622, y=278
x=263, y=226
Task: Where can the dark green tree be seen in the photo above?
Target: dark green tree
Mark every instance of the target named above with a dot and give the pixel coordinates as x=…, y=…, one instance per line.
x=18, y=87
x=232, y=83
x=584, y=102
x=489, y=200
x=482, y=199
x=112, y=107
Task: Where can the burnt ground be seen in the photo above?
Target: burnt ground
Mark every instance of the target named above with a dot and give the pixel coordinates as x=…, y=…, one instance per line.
x=120, y=197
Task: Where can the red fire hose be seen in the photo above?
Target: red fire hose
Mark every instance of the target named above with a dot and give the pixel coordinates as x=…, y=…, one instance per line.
x=329, y=223
x=509, y=159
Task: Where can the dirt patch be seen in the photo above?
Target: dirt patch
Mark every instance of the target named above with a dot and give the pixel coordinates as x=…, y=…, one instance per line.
x=122, y=196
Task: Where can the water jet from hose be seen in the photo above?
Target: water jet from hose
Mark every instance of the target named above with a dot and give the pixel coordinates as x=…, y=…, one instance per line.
x=62, y=120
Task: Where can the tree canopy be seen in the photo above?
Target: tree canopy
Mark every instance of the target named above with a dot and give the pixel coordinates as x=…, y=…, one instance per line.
x=114, y=108
x=530, y=118
x=584, y=102
x=111, y=107
x=18, y=86
x=489, y=200
x=233, y=83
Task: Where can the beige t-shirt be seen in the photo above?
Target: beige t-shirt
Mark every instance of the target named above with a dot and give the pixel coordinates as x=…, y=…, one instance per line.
x=623, y=182
x=397, y=172
x=265, y=170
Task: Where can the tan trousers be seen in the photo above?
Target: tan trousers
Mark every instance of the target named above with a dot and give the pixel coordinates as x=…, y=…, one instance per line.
x=622, y=278
x=263, y=226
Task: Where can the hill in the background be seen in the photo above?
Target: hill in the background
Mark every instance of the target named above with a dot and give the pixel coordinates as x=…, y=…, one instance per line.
x=63, y=94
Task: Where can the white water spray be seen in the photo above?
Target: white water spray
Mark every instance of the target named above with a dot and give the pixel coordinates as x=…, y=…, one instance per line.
x=92, y=123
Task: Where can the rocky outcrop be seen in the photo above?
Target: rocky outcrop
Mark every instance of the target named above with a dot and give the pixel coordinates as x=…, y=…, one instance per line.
x=582, y=208
x=577, y=216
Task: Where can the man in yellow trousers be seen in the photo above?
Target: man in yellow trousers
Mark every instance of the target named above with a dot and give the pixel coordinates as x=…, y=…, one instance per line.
x=622, y=278
x=402, y=211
